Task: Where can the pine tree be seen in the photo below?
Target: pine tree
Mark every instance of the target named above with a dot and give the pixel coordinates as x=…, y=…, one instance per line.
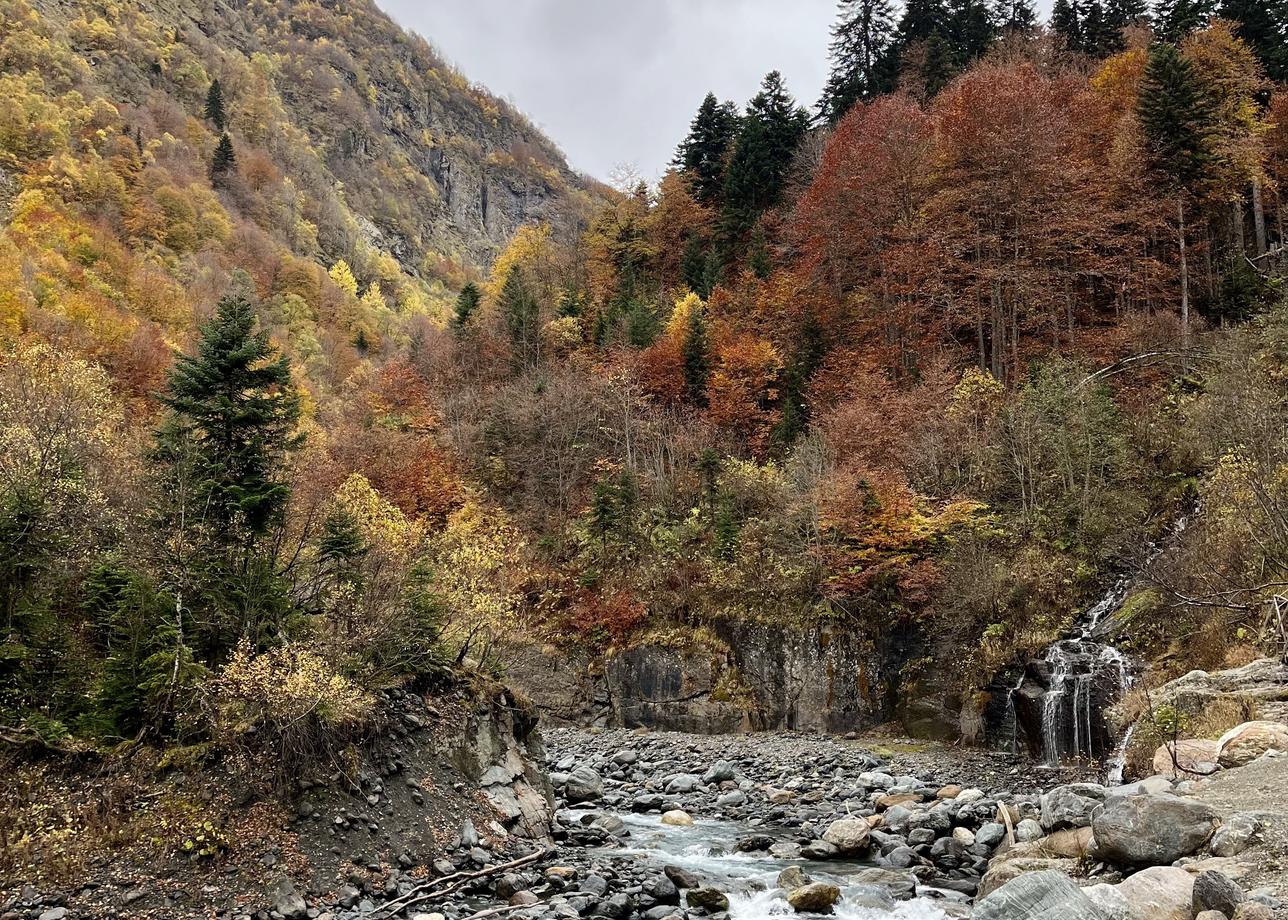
x=922, y=19
x=1119, y=14
x=1263, y=25
x=520, y=310
x=467, y=304
x=1015, y=15
x=1098, y=38
x=939, y=65
x=861, y=39
x=771, y=130
x=1175, y=19
x=1066, y=24
x=697, y=358
x=971, y=29
x=1177, y=121
x=234, y=405
x=214, y=112
x=224, y=161
x=705, y=152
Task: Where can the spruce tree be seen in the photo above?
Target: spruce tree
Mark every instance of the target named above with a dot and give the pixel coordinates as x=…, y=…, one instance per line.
x=771, y=130
x=1175, y=19
x=214, y=111
x=939, y=65
x=1015, y=15
x=971, y=29
x=1177, y=120
x=1098, y=38
x=704, y=153
x=861, y=39
x=922, y=19
x=696, y=354
x=1066, y=25
x=1119, y=14
x=224, y=161
x=467, y=304
x=520, y=311
x=1263, y=25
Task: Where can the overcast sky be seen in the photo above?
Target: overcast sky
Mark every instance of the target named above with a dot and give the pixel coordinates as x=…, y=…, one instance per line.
x=616, y=81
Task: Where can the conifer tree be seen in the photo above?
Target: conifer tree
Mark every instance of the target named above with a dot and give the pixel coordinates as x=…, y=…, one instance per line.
x=704, y=154
x=467, y=303
x=1263, y=25
x=1066, y=25
x=214, y=111
x=921, y=19
x=1177, y=120
x=520, y=309
x=697, y=358
x=861, y=39
x=771, y=130
x=1015, y=15
x=1098, y=38
x=1175, y=19
x=224, y=161
x=971, y=29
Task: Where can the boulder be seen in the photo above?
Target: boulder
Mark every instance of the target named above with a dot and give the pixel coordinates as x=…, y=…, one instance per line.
x=1002, y=871
x=1216, y=891
x=712, y=900
x=818, y=849
x=677, y=818
x=682, y=878
x=719, y=772
x=1190, y=757
x=1028, y=829
x=899, y=885
x=1253, y=910
x=1110, y=901
x=848, y=835
x=731, y=799
x=1236, y=834
x=1151, y=830
x=1210, y=915
x=1159, y=893
x=682, y=782
x=814, y=898
x=792, y=877
x=1071, y=843
x=663, y=890
x=583, y=785
x=1045, y=895
x=1071, y=805
x=1245, y=743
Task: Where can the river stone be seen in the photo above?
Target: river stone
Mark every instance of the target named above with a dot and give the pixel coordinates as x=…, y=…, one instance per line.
x=1046, y=895
x=900, y=885
x=1002, y=871
x=1216, y=891
x=891, y=799
x=1159, y=893
x=682, y=782
x=1112, y=903
x=718, y=772
x=848, y=835
x=1027, y=830
x=662, y=890
x=1235, y=835
x=1151, y=830
x=682, y=877
x=1071, y=805
x=625, y=757
x=990, y=834
x=583, y=785
x=1193, y=757
x=814, y=898
x=1245, y=743
x=736, y=797
x=677, y=818
x=792, y=877
x=818, y=849
x=964, y=836
x=785, y=849
x=712, y=900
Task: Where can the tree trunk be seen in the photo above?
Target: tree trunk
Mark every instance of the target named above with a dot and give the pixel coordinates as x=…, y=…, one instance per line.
x=1259, y=217
x=1236, y=224
x=1185, y=276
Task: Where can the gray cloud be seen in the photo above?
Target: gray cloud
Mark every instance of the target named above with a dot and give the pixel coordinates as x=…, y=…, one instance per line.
x=616, y=82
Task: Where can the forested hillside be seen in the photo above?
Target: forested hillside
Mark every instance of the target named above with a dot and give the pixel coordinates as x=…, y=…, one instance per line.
x=933, y=360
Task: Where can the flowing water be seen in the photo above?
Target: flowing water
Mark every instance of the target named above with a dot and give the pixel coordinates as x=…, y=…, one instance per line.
x=748, y=879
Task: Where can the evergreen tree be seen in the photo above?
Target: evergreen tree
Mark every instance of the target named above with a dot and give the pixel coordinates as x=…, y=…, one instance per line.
x=1066, y=25
x=234, y=405
x=1098, y=39
x=1015, y=15
x=971, y=29
x=1177, y=120
x=861, y=39
x=224, y=161
x=1263, y=25
x=467, y=304
x=1175, y=19
x=214, y=112
x=697, y=358
x=939, y=65
x=520, y=310
x=1119, y=14
x=771, y=130
x=922, y=19
x=705, y=152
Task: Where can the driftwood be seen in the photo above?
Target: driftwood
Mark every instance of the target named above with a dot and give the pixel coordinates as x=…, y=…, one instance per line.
x=454, y=882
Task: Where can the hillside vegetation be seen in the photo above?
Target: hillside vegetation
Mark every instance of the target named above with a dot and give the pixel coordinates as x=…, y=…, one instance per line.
x=277, y=431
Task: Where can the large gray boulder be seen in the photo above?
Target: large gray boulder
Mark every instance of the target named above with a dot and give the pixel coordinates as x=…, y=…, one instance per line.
x=583, y=785
x=1071, y=805
x=1046, y=895
x=1151, y=830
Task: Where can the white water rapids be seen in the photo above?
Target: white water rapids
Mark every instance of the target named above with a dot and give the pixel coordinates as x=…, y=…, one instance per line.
x=748, y=879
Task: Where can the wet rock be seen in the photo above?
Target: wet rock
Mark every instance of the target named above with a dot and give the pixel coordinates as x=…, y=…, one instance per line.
x=754, y=843
x=1151, y=830
x=1216, y=891
x=899, y=885
x=791, y=878
x=682, y=878
x=1046, y=895
x=711, y=900
x=1245, y=743
x=814, y=898
x=677, y=818
x=785, y=849
x=848, y=835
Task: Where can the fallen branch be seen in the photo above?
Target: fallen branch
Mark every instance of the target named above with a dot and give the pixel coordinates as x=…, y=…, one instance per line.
x=494, y=911
x=455, y=882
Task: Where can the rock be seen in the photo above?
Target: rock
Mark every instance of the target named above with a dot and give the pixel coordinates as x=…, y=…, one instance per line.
x=291, y=906
x=1159, y=893
x=964, y=836
x=1071, y=805
x=785, y=849
x=1253, y=910
x=54, y=913
x=754, y=843
x=524, y=899
x=583, y=785
x=1071, y=843
x=1193, y=757
x=662, y=890
x=1235, y=835
x=1151, y=830
x=1216, y=891
x=469, y=835
x=1210, y=915
x=891, y=799
x=1046, y=895
x=814, y=898
x=594, y=884
x=610, y=824
x=1245, y=743
x=792, y=877
x=848, y=835
x=736, y=797
x=781, y=796
x=681, y=783
x=682, y=878
x=677, y=818
x=898, y=884
x=712, y=900
x=819, y=849
x=951, y=791
x=1111, y=902
x=626, y=757
x=1028, y=829
x=990, y=834
x=1002, y=871
x=719, y=772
